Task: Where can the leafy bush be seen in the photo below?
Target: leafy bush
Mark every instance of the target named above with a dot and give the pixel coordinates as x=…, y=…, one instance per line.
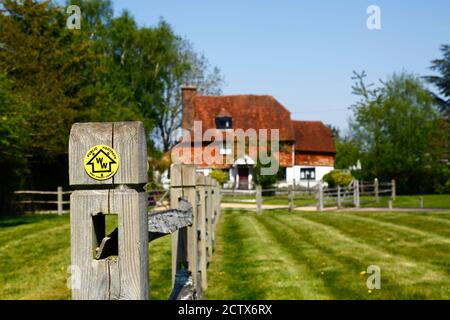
x=338, y=178
x=265, y=181
x=220, y=176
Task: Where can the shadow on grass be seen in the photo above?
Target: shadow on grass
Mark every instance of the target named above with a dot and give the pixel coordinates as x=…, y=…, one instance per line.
x=14, y=221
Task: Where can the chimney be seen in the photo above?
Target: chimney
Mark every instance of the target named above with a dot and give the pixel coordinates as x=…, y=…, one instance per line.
x=187, y=100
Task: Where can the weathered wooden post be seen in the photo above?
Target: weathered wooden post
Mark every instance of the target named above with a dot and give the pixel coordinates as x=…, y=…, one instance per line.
x=201, y=229
x=393, y=186
x=108, y=169
x=376, y=190
x=184, y=241
x=258, y=200
x=215, y=209
x=421, y=202
x=320, y=196
x=390, y=204
x=339, y=203
x=209, y=215
x=60, y=200
x=359, y=197
x=290, y=199
x=219, y=200
x=356, y=202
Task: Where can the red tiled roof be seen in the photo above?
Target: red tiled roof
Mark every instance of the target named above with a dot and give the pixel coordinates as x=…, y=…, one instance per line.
x=313, y=136
x=246, y=111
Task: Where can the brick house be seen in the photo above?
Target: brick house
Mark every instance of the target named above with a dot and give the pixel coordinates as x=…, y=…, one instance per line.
x=306, y=148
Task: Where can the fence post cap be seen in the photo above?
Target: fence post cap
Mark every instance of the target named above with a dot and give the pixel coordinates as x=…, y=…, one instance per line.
x=200, y=179
x=182, y=175
x=127, y=139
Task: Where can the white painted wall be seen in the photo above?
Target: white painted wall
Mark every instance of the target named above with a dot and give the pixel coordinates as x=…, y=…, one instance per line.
x=205, y=172
x=294, y=173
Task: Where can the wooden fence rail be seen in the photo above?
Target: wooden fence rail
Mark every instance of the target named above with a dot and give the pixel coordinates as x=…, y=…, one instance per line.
x=352, y=194
x=31, y=201
x=356, y=193
x=115, y=265
x=28, y=198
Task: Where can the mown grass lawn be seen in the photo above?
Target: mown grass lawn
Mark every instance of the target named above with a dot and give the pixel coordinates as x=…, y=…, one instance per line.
x=35, y=256
x=322, y=255
x=278, y=255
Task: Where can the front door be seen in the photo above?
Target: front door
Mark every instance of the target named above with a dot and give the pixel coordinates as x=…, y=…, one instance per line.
x=243, y=177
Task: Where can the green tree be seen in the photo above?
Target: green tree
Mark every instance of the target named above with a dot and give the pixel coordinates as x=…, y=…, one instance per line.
x=53, y=74
x=400, y=133
x=348, y=152
x=13, y=140
x=184, y=67
x=265, y=181
x=110, y=70
x=442, y=82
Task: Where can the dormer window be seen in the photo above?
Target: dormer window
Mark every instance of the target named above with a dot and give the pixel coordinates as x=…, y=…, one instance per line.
x=224, y=123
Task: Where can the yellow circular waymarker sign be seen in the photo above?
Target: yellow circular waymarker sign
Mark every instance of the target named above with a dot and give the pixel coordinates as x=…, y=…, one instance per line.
x=101, y=162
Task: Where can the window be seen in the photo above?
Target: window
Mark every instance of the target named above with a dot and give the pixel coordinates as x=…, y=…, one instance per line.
x=308, y=174
x=224, y=123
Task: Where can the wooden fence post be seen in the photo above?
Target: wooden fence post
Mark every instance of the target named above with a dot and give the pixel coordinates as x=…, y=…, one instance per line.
x=320, y=196
x=356, y=201
x=215, y=209
x=60, y=200
x=291, y=198
x=219, y=200
x=201, y=224
x=421, y=202
x=339, y=204
x=209, y=217
x=376, y=190
x=123, y=274
x=258, y=200
x=393, y=190
x=390, y=204
x=184, y=241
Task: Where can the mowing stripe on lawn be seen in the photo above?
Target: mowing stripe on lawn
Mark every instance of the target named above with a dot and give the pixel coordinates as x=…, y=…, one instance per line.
x=431, y=237
x=19, y=239
x=397, y=271
x=233, y=274
x=395, y=241
x=10, y=233
x=46, y=276
x=340, y=236
x=273, y=270
x=422, y=221
x=286, y=278
x=340, y=277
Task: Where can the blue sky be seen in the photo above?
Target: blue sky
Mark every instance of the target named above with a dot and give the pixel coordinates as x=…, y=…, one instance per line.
x=303, y=52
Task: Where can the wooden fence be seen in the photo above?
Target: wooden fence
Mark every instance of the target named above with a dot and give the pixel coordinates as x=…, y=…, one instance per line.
x=272, y=199
x=115, y=265
x=192, y=247
x=42, y=201
x=58, y=202
x=339, y=197
x=320, y=196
